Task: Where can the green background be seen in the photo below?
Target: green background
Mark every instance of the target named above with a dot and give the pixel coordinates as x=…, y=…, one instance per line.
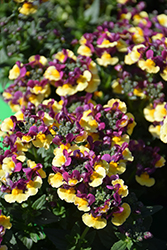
x=5, y=110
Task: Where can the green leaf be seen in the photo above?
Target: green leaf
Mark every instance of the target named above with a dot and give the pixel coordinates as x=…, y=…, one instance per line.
x=26, y=241
x=91, y=236
x=107, y=236
x=155, y=244
x=34, y=237
x=93, y=12
x=150, y=210
x=39, y=202
x=76, y=229
x=3, y=56
x=46, y=217
x=119, y=245
x=129, y=244
x=57, y=237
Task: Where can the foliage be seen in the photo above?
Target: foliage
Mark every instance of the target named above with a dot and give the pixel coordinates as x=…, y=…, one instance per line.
x=82, y=161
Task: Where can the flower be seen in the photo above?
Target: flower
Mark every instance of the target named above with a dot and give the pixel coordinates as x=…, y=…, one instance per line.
x=148, y=65
x=162, y=19
x=98, y=174
x=28, y=9
x=145, y=180
x=149, y=113
x=56, y=180
x=42, y=140
x=16, y=195
x=95, y=222
x=52, y=74
x=160, y=112
x=106, y=60
x=5, y=221
x=163, y=131
x=122, y=189
x=82, y=204
x=134, y=55
x=14, y=72
x=84, y=50
x=67, y=194
x=120, y=217
x=88, y=122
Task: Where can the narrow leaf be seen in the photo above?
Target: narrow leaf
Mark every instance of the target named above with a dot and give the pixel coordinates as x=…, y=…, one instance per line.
x=119, y=245
x=39, y=202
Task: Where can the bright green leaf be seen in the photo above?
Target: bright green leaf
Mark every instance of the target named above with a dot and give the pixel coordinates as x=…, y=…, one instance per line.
x=119, y=245
x=39, y=202
x=34, y=237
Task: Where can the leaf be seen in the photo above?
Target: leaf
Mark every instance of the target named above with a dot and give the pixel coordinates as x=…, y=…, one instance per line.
x=57, y=237
x=42, y=152
x=107, y=236
x=3, y=56
x=76, y=229
x=93, y=12
x=34, y=237
x=46, y=217
x=39, y=202
x=130, y=244
x=147, y=221
x=119, y=245
x=155, y=244
x=91, y=236
x=26, y=241
x=150, y=210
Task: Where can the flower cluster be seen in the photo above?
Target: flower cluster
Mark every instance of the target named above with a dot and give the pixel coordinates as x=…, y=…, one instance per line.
x=4, y=224
x=135, y=50
x=157, y=114
x=67, y=73
x=146, y=160
x=90, y=151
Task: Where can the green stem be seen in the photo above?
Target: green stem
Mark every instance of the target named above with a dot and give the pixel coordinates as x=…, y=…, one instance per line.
x=84, y=233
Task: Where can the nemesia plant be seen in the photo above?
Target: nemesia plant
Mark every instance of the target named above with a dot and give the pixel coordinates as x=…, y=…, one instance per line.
x=78, y=158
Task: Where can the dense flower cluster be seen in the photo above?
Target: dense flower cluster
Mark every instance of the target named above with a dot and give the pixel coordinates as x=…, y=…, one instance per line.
x=90, y=151
x=67, y=73
x=131, y=41
x=68, y=140
x=147, y=160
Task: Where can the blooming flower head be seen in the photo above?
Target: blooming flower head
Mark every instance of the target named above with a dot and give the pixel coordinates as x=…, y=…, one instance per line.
x=5, y=221
x=56, y=180
x=162, y=19
x=88, y=122
x=95, y=222
x=82, y=204
x=52, y=74
x=148, y=65
x=16, y=195
x=38, y=59
x=28, y=9
x=145, y=180
x=120, y=217
x=134, y=55
x=67, y=194
x=84, y=50
x=137, y=34
x=100, y=170
x=122, y=189
x=42, y=140
x=14, y=72
x=106, y=60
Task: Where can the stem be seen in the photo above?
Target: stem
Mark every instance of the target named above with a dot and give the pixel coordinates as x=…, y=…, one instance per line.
x=84, y=233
